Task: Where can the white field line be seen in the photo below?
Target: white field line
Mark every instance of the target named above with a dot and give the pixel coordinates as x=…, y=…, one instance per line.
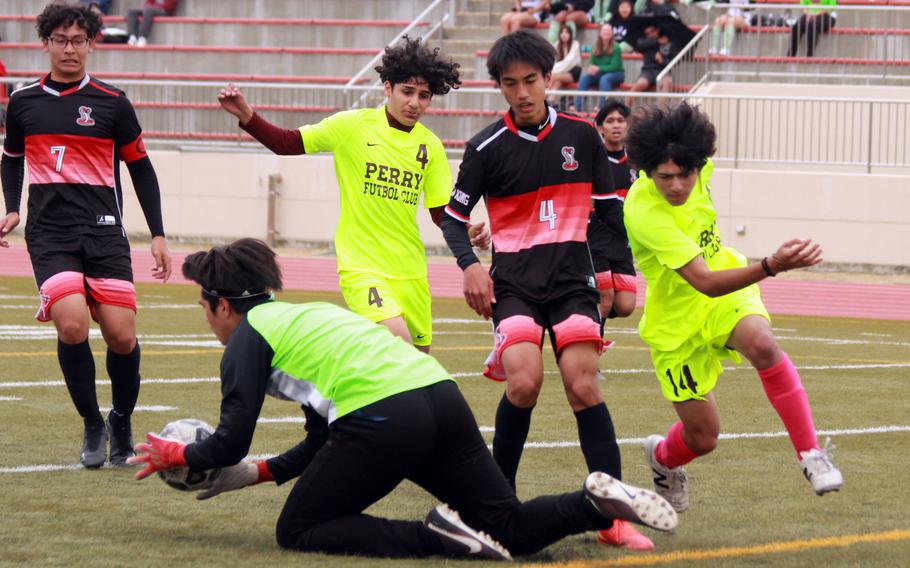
x=151, y=408
x=42, y=468
x=16, y=297
x=847, y=367
x=10, y=398
x=27, y=384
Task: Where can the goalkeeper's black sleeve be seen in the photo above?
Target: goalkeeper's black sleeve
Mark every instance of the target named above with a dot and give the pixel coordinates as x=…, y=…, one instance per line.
x=245, y=369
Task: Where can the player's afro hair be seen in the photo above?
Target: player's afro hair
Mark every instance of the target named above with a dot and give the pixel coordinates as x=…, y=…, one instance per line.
x=244, y=272
x=610, y=105
x=60, y=13
x=521, y=46
x=681, y=133
x=412, y=58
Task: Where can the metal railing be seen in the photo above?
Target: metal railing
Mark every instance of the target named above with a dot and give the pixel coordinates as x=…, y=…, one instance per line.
x=878, y=53
x=446, y=6
x=865, y=133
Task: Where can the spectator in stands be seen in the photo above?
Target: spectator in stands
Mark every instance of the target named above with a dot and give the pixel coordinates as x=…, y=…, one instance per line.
x=658, y=50
x=568, y=61
x=104, y=6
x=814, y=22
x=733, y=21
x=619, y=19
x=150, y=10
x=524, y=14
x=572, y=14
x=605, y=68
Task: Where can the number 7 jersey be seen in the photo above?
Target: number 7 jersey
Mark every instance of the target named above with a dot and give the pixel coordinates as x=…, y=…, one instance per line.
x=538, y=191
x=73, y=141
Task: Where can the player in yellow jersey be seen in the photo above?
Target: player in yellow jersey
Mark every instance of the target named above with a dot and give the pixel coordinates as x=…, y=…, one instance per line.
x=702, y=303
x=385, y=160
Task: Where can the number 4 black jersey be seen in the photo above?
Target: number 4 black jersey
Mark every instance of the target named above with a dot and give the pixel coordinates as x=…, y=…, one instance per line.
x=538, y=191
x=72, y=141
x=605, y=241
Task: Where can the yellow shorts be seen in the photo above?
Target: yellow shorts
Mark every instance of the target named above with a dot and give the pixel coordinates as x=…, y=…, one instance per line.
x=691, y=370
x=378, y=298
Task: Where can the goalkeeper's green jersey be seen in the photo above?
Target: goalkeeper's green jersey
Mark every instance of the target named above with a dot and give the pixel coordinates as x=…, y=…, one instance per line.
x=335, y=361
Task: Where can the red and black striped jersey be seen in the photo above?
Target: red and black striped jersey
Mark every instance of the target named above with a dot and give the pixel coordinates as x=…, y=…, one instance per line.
x=606, y=240
x=538, y=190
x=73, y=139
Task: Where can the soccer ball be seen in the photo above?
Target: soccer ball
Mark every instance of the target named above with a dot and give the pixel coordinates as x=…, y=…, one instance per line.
x=188, y=431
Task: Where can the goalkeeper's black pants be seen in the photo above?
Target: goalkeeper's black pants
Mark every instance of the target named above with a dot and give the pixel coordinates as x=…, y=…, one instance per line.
x=428, y=436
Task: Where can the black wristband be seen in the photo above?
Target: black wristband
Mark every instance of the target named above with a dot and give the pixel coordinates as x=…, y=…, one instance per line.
x=766, y=267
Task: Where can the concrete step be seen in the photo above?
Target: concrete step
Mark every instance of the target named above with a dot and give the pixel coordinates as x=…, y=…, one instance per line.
x=214, y=61
x=485, y=33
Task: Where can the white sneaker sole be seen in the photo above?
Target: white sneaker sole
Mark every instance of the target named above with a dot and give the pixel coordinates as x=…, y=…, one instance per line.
x=615, y=499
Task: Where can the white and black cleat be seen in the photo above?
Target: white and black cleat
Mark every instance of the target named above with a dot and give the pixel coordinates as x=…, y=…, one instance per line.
x=461, y=540
x=820, y=470
x=617, y=500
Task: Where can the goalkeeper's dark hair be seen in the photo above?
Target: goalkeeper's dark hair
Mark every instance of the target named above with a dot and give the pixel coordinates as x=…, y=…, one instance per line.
x=413, y=59
x=245, y=273
x=60, y=13
x=611, y=105
x=521, y=46
x=681, y=133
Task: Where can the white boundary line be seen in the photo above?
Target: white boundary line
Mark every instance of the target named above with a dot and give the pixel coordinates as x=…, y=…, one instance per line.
x=43, y=468
x=846, y=367
x=10, y=398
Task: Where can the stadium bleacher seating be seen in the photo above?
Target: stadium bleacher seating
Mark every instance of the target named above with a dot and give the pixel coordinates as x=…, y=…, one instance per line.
x=322, y=42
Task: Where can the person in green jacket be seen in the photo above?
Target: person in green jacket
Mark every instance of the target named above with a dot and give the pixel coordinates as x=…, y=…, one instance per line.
x=378, y=411
x=814, y=22
x=605, y=68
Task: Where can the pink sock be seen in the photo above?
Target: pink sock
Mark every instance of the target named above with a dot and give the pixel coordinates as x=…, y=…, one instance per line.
x=673, y=451
x=787, y=396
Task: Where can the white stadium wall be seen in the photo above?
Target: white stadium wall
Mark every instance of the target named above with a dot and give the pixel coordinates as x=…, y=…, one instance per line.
x=859, y=218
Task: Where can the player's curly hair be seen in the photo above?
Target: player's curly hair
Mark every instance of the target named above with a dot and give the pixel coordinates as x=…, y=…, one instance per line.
x=610, y=105
x=681, y=133
x=412, y=58
x=60, y=13
x=521, y=46
x=244, y=272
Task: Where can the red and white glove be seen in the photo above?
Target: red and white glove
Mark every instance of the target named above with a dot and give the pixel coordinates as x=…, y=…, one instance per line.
x=160, y=454
x=237, y=477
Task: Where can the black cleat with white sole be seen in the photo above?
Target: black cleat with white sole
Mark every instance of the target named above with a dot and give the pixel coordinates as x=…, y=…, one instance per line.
x=461, y=540
x=617, y=500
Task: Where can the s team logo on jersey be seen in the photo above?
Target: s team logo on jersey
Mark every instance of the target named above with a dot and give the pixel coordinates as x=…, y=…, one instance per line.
x=568, y=154
x=85, y=117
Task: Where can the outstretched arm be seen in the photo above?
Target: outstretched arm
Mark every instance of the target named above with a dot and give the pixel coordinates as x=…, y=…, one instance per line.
x=282, y=141
x=793, y=254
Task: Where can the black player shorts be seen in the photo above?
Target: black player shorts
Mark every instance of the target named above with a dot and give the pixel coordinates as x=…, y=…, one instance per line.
x=97, y=266
x=568, y=319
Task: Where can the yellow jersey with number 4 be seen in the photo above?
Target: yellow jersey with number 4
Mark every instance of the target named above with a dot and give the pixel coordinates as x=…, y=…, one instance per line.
x=382, y=172
x=664, y=238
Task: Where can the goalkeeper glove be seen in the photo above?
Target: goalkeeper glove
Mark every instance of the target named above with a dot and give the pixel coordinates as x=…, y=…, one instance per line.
x=160, y=454
x=237, y=477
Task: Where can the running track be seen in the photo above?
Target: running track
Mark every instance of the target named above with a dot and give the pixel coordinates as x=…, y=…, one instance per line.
x=796, y=297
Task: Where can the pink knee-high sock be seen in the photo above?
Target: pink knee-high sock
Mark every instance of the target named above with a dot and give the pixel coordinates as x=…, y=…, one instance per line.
x=673, y=451
x=787, y=396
